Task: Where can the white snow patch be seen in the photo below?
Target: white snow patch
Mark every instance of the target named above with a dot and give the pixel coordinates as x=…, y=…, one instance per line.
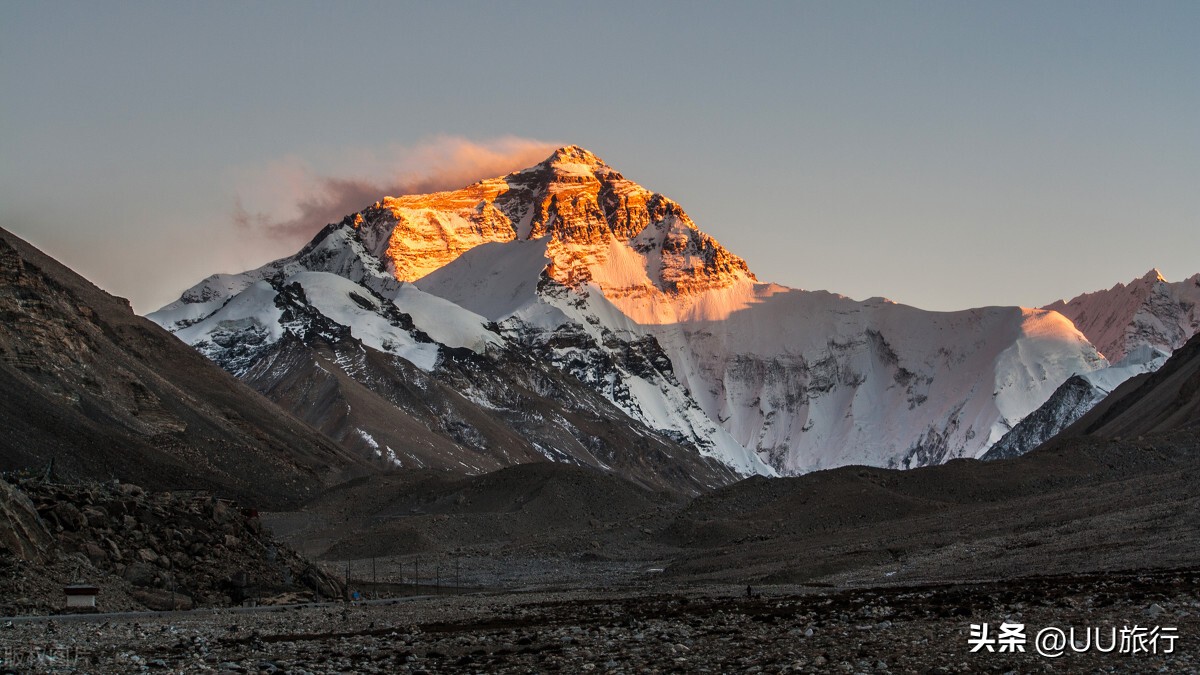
x=332, y=295
x=445, y=321
x=492, y=280
x=368, y=438
x=253, y=306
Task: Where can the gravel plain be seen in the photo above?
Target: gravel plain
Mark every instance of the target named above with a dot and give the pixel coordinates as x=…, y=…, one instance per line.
x=640, y=629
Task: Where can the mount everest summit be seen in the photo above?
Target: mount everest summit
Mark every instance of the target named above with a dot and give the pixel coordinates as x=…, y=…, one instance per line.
x=566, y=313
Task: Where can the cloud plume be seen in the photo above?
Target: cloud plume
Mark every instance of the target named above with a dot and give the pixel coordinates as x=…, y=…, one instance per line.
x=292, y=200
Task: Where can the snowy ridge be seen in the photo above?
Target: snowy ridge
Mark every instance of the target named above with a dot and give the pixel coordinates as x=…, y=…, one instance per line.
x=1071, y=401
x=581, y=332
x=570, y=263
x=341, y=281
x=351, y=305
x=1140, y=323
x=256, y=318
x=813, y=380
x=1147, y=311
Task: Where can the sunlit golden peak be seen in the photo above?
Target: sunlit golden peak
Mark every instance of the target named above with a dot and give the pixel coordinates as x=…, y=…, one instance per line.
x=573, y=154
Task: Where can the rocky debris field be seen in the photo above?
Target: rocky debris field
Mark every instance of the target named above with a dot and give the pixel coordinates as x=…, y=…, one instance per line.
x=145, y=550
x=921, y=629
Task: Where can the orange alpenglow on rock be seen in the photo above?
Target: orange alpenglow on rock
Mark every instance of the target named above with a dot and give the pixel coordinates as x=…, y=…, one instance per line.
x=600, y=228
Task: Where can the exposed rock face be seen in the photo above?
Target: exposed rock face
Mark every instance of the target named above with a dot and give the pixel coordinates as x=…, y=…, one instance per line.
x=22, y=533
x=1138, y=325
x=1163, y=402
x=1070, y=401
x=402, y=400
x=1147, y=397
x=590, y=212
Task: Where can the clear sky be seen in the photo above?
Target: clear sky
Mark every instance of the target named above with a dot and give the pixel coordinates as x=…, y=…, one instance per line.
x=942, y=154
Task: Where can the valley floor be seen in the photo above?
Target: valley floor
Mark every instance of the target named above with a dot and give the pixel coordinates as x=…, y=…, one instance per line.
x=900, y=629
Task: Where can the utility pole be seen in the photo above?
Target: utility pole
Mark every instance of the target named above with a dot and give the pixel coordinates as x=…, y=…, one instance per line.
x=347, y=579
x=417, y=578
x=374, y=580
x=457, y=569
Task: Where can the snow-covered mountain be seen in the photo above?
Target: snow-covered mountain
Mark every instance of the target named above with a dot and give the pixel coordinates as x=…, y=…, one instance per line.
x=1072, y=400
x=1146, y=312
x=577, y=269
x=415, y=381
x=1136, y=325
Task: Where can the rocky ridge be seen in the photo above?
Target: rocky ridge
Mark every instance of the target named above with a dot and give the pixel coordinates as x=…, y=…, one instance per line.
x=1165, y=402
x=1069, y=402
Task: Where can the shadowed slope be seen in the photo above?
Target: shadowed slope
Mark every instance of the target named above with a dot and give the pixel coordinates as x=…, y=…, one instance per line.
x=105, y=393
x=1156, y=403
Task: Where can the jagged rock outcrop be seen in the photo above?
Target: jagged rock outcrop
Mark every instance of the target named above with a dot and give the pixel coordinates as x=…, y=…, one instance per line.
x=1166, y=401
x=355, y=365
x=589, y=212
x=22, y=533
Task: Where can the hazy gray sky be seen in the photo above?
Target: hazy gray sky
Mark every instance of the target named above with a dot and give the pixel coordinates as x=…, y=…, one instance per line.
x=944, y=155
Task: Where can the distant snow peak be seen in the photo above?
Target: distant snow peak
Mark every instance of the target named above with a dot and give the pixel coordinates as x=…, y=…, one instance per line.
x=1149, y=310
x=1136, y=325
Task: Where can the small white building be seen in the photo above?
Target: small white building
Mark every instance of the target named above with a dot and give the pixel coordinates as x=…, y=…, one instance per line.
x=81, y=596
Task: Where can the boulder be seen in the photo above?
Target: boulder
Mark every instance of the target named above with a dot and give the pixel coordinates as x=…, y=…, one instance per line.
x=70, y=517
x=140, y=574
x=94, y=552
x=96, y=517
